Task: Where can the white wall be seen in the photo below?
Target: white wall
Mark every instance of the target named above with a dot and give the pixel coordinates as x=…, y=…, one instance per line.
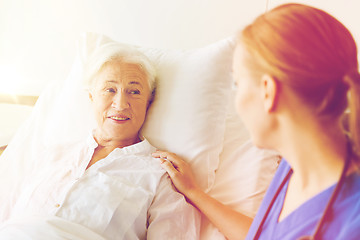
x=38, y=37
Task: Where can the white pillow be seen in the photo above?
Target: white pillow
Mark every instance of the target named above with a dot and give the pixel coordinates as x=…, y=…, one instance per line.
x=244, y=173
x=12, y=116
x=188, y=113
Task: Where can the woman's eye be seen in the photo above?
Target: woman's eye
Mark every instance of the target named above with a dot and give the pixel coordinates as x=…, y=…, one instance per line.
x=111, y=90
x=134, y=92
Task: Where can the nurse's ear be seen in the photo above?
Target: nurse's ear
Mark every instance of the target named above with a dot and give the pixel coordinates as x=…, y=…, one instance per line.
x=270, y=89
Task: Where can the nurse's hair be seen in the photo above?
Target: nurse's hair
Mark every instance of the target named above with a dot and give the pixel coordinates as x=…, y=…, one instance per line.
x=118, y=52
x=313, y=53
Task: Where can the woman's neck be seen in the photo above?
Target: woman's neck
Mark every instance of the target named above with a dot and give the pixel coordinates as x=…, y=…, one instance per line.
x=110, y=142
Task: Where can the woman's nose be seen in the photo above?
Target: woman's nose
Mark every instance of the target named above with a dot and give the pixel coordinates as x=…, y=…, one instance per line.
x=120, y=101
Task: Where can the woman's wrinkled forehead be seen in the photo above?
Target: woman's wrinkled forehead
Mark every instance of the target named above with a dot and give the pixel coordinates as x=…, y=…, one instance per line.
x=121, y=66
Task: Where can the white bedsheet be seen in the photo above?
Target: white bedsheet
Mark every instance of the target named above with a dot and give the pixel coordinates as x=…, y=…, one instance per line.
x=45, y=228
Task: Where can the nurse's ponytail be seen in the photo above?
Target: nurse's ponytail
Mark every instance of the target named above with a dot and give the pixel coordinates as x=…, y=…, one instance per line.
x=352, y=79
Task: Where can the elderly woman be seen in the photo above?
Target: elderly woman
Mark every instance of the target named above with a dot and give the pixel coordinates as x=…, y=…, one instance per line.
x=298, y=93
x=109, y=184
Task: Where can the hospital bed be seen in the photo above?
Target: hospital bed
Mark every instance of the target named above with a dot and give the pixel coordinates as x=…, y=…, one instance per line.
x=192, y=115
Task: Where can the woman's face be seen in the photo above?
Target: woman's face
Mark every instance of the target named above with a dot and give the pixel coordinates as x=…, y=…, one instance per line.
x=120, y=97
x=248, y=101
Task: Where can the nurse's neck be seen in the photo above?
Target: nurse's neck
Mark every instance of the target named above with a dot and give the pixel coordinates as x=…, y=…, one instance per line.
x=317, y=157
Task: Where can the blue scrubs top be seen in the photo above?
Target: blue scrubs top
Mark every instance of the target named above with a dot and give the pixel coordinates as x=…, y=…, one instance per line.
x=342, y=223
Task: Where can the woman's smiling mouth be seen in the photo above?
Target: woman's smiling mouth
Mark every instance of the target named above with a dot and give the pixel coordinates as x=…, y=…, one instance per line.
x=119, y=118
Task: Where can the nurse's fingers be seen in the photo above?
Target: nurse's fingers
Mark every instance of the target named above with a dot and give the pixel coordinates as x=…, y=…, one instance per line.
x=162, y=154
x=171, y=157
x=169, y=167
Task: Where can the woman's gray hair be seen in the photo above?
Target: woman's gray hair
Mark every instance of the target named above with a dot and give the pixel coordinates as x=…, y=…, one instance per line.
x=117, y=51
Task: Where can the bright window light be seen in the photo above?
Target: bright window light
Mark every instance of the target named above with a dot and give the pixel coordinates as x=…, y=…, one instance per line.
x=11, y=81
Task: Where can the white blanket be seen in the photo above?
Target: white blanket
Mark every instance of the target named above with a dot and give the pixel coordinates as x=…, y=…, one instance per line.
x=45, y=228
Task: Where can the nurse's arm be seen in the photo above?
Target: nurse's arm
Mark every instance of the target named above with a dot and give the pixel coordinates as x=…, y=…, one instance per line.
x=232, y=224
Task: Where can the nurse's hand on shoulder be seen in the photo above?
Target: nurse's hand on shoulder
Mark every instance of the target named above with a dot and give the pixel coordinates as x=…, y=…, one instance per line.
x=179, y=172
x=232, y=224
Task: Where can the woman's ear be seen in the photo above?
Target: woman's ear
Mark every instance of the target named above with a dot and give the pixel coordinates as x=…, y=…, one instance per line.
x=148, y=104
x=90, y=96
x=270, y=91
x=151, y=99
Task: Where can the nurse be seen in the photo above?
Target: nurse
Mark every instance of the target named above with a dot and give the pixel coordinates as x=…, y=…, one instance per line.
x=296, y=71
